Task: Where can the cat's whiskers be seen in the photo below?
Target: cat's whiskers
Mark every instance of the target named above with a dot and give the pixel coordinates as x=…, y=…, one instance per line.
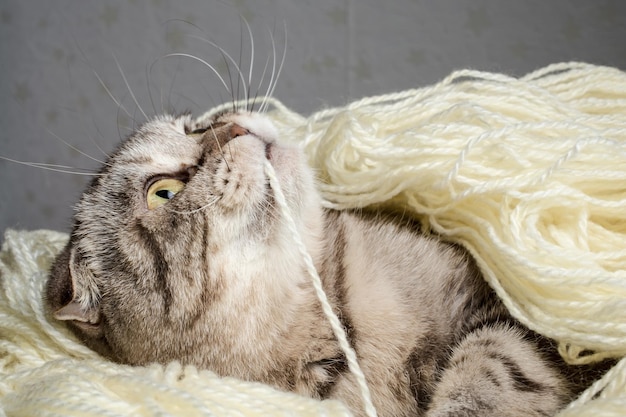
x=247, y=102
x=53, y=167
x=211, y=67
x=275, y=74
x=269, y=85
x=256, y=95
x=204, y=38
x=69, y=145
x=249, y=107
x=130, y=90
x=219, y=146
x=95, y=142
x=230, y=151
x=149, y=70
x=211, y=202
x=101, y=81
x=110, y=94
x=241, y=77
x=269, y=208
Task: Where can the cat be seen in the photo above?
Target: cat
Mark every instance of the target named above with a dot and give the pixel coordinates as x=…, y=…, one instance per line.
x=180, y=252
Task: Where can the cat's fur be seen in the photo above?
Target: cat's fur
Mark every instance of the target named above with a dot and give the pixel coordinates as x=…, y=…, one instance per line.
x=212, y=278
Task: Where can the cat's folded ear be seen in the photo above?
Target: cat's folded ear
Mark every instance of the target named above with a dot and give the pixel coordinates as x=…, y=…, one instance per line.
x=69, y=277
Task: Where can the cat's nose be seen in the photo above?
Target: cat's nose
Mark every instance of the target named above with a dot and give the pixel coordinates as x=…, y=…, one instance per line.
x=220, y=132
x=236, y=130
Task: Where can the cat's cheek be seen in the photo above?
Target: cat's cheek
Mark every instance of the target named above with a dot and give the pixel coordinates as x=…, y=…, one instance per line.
x=164, y=221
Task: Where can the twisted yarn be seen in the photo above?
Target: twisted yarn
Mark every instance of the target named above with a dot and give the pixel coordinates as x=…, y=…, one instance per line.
x=338, y=329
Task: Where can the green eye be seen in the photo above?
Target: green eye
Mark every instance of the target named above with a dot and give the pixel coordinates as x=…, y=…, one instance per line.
x=163, y=190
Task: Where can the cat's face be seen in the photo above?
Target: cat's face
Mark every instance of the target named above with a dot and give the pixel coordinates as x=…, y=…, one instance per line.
x=179, y=244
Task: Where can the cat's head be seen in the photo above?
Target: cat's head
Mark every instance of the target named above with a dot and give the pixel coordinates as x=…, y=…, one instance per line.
x=179, y=250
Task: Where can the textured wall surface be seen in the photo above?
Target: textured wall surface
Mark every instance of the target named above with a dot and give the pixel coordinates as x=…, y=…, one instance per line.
x=61, y=60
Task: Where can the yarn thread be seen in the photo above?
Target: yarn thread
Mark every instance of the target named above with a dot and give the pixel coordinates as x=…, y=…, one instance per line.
x=338, y=329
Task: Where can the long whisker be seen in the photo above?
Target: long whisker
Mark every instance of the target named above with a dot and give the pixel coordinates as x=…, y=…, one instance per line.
x=149, y=70
x=87, y=132
x=74, y=147
x=200, y=30
x=241, y=77
x=256, y=95
x=230, y=80
x=148, y=84
x=282, y=62
x=100, y=80
x=169, y=93
x=251, y=49
x=94, y=141
x=219, y=146
x=251, y=60
x=203, y=62
x=117, y=120
x=52, y=167
x=130, y=90
x=119, y=105
x=149, y=81
x=170, y=105
x=269, y=85
x=201, y=208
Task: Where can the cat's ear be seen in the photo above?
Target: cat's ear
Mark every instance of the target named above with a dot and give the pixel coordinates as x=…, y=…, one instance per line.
x=71, y=294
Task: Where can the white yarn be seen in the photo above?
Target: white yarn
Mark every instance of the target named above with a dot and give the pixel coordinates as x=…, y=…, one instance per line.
x=336, y=325
x=529, y=174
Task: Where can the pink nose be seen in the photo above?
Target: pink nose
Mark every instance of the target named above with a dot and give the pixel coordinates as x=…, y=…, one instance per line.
x=236, y=130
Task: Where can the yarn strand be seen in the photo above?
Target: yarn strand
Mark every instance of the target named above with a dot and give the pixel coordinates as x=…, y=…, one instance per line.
x=338, y=329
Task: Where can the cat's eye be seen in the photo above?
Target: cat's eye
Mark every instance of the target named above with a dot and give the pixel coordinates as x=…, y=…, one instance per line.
x=199, y=131
x=163, y=190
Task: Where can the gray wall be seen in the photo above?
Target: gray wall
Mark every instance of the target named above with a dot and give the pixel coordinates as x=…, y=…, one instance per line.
x=51, y=51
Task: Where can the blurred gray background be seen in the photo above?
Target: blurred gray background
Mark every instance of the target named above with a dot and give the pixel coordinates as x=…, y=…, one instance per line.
x=54, y=108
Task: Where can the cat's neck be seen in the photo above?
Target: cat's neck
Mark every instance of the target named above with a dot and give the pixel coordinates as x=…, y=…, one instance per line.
x=276, y=305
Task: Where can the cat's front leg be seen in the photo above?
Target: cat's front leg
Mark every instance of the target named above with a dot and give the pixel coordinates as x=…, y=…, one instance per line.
x=497, y=371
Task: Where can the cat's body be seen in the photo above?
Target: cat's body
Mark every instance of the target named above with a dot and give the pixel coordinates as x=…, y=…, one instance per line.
x=179, y=252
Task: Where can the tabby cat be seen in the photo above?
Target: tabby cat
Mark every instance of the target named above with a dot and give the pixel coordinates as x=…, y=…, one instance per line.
x=180, y=252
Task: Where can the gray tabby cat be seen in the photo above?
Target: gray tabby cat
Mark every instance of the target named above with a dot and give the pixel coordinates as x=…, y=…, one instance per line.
x=179, y=252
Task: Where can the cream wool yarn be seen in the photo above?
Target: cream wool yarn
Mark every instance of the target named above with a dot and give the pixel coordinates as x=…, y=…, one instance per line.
x=529, y=174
